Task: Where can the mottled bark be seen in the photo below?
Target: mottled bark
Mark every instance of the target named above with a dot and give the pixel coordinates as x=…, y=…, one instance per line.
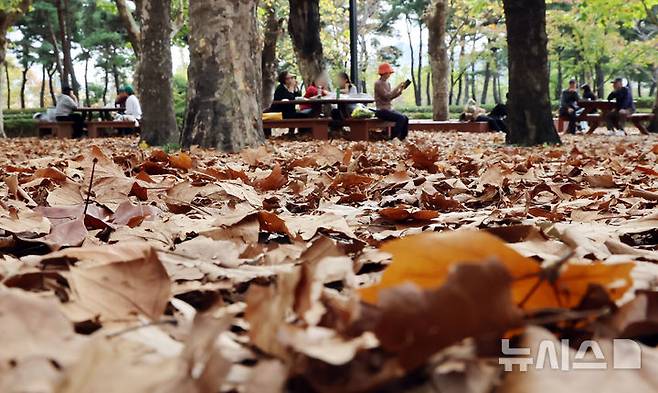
x=224, y=93
x=304, y=29
x=439, y=61
x=155, y=74
x=530, y=117
x=273, y=30
x=131, y=26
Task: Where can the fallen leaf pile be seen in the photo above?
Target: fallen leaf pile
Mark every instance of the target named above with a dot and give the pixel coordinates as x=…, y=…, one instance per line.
x=324, y=266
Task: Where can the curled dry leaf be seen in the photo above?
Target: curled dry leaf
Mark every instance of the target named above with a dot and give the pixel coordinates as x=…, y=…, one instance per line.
x=273, y=182
x=181, y=161
x=413, y=323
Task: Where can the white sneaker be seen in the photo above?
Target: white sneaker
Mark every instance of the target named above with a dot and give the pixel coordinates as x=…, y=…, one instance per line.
x=620, y=133
x=610, y=132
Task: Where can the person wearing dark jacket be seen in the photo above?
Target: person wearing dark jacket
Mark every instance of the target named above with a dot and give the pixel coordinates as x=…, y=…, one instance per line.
x=588, y=94
x=624, y=106
x=288, y=90
x=569, y=106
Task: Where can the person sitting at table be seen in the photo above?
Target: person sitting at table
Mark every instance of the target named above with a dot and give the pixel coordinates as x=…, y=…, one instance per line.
x=317, y=89
x=384, y=96
x=588, y=94
x=569, y=106
x=474, y=113
x=345, y=87
x=67, y=103
x=287, y=90
x=624, y=107
x=133, y=109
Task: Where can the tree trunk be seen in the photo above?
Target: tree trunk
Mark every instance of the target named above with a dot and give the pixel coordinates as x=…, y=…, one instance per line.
x=473, y=78
x=51, y=75
x=224, y=108
x=304, y=29
x=639, y=89
x=116, y=77
x=107, y=83
x=273, y=30
x=414, y=80
x=23, y=83
x=494, y=87
x=131, y=26
x=42, y=90
x=69, y=74
x=419, y=93
x=428, y=88
x=52, y=38
x=439, y=62
x=485, y=86
x=653, y=126
x=467, y=87
x=530, y=117
x=560, y=78
x=87, y=99
x=599, y=80
x=7, y=19
x=158, y=123
x=8, y=85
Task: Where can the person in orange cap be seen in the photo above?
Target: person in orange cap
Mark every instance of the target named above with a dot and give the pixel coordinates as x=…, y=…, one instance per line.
x=384, y=96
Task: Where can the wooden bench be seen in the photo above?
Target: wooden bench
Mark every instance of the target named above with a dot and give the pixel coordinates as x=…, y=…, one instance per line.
x=359, y=128
x=444, y=126
x=95, y=128
x=594, y=120
x=319, y=126
x=58, y=129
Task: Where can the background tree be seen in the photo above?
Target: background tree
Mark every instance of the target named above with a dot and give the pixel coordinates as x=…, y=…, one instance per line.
x=272, y=31
x=530, y=117
x=304, y=28
x=437, y=17
x=155, y=76
x=224, y=109
x=10, y=11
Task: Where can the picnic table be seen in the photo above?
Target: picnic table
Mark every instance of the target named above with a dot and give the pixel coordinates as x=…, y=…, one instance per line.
x=591, y=108
x=316, y=103
x=104, y=113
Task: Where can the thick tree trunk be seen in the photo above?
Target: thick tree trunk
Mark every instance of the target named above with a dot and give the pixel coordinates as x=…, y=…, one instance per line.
x=530, y=117
x=273, y=30
x=439, y=62
x=156, y=91
x=42, y=89
x=224, y=108
x=485, y=86
x=304, y=29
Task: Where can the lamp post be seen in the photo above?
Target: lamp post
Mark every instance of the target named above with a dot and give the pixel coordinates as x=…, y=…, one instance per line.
x=354, y=45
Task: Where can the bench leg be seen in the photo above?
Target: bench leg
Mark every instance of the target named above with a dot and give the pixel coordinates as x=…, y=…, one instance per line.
x=560, y=125
x=320, y=132
x=638, y=123
x=593, y=125
x=92, y=131
x=358, y=132
x=63, y=131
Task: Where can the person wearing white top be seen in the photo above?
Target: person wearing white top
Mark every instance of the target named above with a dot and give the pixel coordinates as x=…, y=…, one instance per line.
x=66, y=104
x=133, y=109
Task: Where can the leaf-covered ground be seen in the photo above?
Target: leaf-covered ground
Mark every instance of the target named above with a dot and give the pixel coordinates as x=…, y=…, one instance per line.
x=278, y=269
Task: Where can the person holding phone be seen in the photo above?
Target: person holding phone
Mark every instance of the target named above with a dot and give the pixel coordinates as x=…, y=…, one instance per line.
x=384, y=96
